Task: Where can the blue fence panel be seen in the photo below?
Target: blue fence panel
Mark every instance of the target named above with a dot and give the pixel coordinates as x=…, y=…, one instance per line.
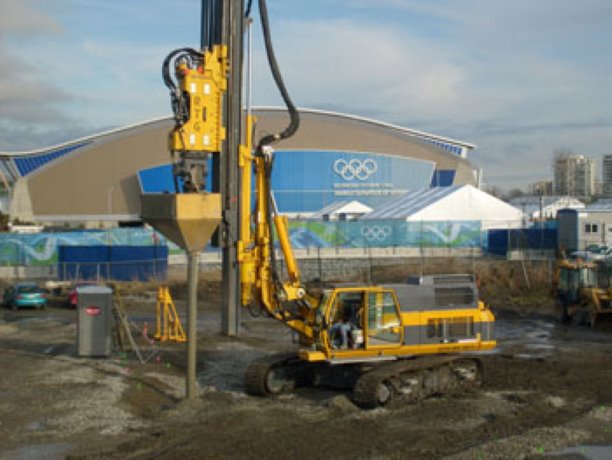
x=138, y=263
x=83, y=262
x=541, y=238
x=121, y=263
x=498, y=242
x=502, y=241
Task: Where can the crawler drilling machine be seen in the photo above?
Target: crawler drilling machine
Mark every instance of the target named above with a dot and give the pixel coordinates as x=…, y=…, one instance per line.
x=385, y=342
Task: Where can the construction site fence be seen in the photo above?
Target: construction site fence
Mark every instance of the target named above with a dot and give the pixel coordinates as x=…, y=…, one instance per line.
x=421, y=238
x=119, y=263
x=132, y=270
x=42, y=249
x=376, y=264
x=536, y=242
x=385, y=233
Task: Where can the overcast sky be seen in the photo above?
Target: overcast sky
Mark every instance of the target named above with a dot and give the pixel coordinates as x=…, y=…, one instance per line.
x=518, y=78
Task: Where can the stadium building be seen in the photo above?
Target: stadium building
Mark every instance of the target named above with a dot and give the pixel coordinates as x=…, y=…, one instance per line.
x=97, y=181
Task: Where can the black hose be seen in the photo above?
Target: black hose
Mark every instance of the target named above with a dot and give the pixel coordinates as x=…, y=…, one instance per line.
x=179, y=103
x=271, y=138
x=166, y=65
x=275, y=275
x=278, y=79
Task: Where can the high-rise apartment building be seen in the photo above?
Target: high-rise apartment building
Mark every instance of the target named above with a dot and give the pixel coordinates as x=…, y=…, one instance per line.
x=607, y=176
x=574, y=175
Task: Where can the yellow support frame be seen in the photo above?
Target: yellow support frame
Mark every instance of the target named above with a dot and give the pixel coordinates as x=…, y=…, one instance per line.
x=169, y=327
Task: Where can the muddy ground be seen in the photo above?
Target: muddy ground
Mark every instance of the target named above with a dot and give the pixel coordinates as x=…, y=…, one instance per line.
x=547, y=387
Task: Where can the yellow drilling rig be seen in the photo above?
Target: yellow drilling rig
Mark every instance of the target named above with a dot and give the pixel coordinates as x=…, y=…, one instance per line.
x=385, y=342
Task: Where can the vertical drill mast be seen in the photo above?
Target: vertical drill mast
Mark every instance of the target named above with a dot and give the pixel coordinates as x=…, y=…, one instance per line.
x=233, y=26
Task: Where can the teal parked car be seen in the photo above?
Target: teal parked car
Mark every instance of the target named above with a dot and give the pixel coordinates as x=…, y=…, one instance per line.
x=23, y=295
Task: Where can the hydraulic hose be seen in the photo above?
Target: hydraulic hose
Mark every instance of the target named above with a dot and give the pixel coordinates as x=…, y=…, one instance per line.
x=180, y=105
x=275, y=276
x=278, y=79
x=272, y=138
x=166, y=65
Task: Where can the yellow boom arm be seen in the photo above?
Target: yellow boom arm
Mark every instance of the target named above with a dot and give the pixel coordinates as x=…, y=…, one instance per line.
x=260, y=283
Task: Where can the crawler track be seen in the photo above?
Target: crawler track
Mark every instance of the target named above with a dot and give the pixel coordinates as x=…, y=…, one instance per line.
x=404, y=381
x=272, y=375
x=412, y=380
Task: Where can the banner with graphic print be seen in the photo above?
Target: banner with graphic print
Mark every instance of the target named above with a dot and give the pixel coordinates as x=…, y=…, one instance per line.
x=384, y=233
x=41, y=249
x=305, y=181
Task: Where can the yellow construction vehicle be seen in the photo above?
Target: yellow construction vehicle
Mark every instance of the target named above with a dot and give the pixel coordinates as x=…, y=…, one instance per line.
x=582, y=291
x=383, y=341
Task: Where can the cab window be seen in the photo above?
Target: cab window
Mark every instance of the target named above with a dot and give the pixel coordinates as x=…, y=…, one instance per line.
x=383, y=319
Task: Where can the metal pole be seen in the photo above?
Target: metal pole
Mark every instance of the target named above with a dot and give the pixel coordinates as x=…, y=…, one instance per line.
x=192, y=322
x=233, y=22
x=249, y=58
x=210, y=24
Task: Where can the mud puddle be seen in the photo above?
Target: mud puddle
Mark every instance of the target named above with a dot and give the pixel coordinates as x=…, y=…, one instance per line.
x=583, y=453
x=525, y=336
x=52, y=451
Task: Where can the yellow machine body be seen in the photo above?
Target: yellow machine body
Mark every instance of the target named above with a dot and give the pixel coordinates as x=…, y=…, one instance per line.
x=388, y=325
x=582, y=291
x=205, y=87
x=394, y=322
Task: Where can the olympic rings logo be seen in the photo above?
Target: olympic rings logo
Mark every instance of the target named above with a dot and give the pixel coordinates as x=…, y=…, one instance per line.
x=375, y=232
x=355, y=169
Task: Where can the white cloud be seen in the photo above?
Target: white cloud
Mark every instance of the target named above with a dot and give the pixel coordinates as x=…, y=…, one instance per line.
x=342, y=62
x=21, y=17
x=27, y=101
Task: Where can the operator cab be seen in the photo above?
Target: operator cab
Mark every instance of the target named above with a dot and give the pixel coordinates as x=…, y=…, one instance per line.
x=360, y=319
x=572, y=278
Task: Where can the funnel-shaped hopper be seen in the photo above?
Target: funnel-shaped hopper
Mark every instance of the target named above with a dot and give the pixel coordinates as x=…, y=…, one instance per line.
x=187, y=219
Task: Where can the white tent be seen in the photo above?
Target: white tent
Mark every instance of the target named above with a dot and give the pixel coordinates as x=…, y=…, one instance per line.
x=549, y=205
x=342, y=210
x=447, y=204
